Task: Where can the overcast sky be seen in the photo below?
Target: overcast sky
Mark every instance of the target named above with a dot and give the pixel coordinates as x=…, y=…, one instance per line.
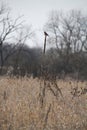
x=36, y=11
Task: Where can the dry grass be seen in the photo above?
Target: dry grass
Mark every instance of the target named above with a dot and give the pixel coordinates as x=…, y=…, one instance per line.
x=20, y=107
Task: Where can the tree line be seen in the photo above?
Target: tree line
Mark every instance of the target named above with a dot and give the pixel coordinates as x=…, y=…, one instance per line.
x=67, y=37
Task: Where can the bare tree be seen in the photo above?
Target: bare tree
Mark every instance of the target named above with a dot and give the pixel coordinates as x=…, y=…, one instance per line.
x=68, y=32
x=11, y=31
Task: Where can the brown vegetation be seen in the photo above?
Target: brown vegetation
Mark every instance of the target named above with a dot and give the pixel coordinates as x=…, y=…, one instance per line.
x=20, y=106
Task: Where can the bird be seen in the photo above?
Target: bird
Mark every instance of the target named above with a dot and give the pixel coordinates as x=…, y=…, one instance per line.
x=45, y=33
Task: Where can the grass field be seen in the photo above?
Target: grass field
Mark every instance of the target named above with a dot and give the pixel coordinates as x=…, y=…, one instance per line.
x=20, y=107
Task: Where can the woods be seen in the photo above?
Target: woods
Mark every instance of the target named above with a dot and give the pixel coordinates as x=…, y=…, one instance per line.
x=67, y=37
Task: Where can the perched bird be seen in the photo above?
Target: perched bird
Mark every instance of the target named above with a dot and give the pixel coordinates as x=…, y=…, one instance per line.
x=46, y=34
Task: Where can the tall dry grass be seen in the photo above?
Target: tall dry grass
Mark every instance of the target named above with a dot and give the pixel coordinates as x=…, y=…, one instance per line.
x=20, y=106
